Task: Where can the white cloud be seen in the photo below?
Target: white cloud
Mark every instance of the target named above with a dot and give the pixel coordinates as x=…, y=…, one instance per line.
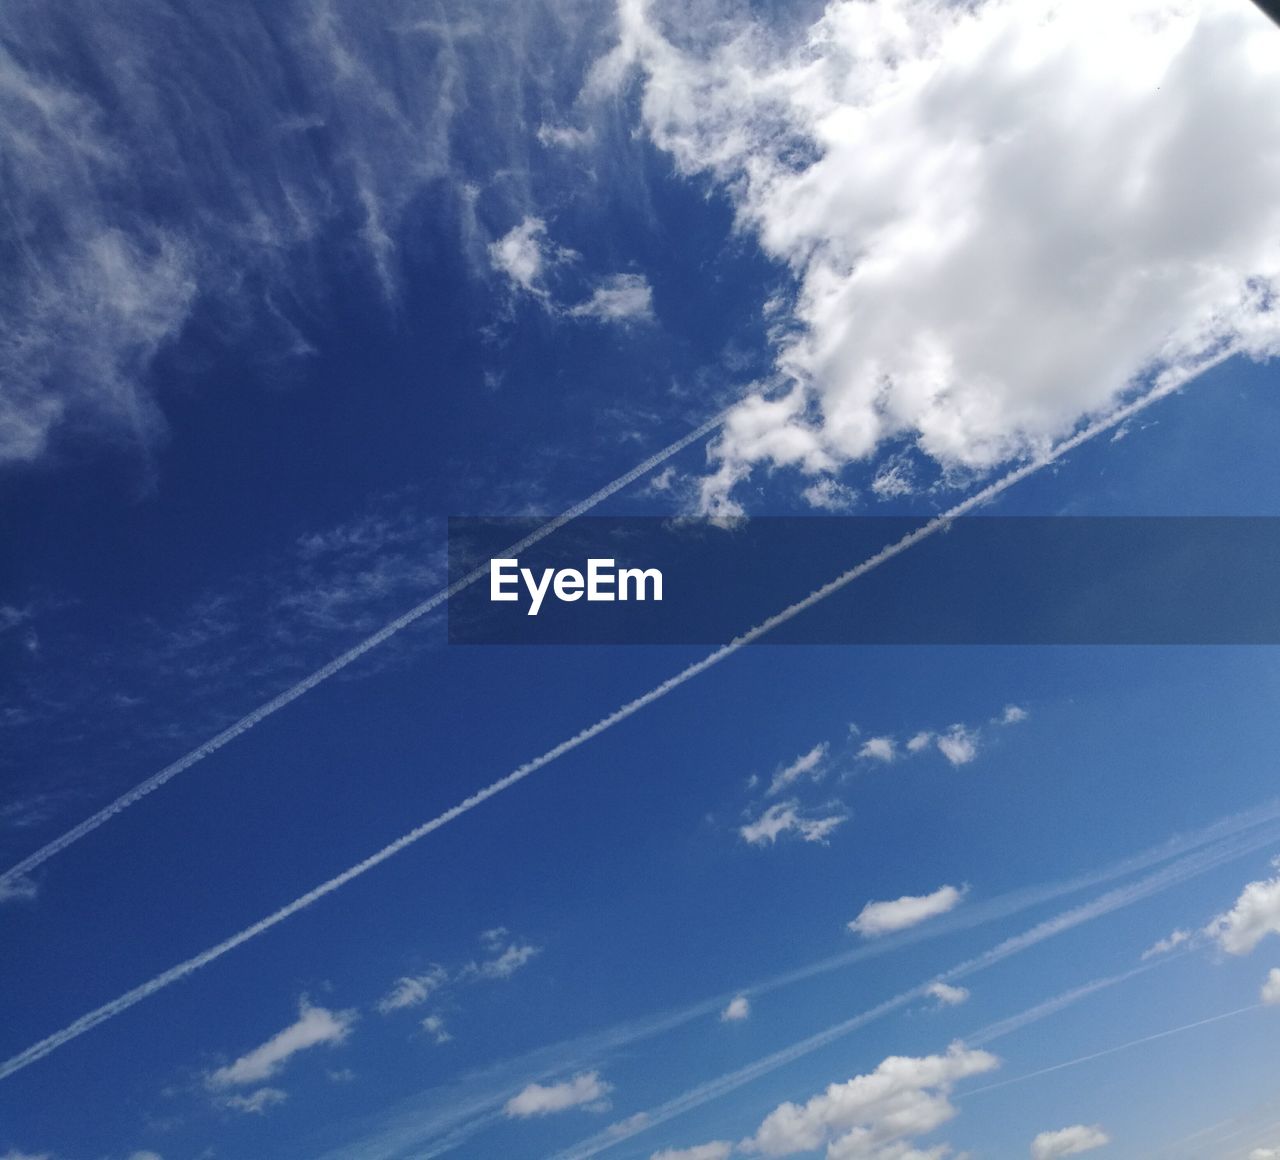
x=13, y=1154
x=411, y=990
x=618, y=298
x=806, y=764
x=947, y=995
x=785, y=817
x=523, y=254
x=145, y=1156
x=315, y=1026
x=739, y=1008
x=878, y=749
x=1270, y=993
x=506, y=964
x=863, y=1118
x=1265, y=1154
x=958, y=745
x=585, y=1090
x=1255, y=915
x=829, y=495
x=877, y=918
x=255, y=1103
x=19, y=889
x=948, y=215
x=1165, y=945
x=716, y=1150
x=1012, y=715
x=434, y=1026
x=920, y=741
x=1068, y=1142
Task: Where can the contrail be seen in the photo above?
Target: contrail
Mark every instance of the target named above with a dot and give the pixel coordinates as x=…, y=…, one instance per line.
x=1170, y=383
x=1112, y=1050
x=713, y=1089
x=11, y=879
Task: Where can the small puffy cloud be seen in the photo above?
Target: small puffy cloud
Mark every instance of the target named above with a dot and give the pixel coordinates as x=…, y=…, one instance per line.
x=1255, y=915
x=830, y=495
x=1270, y=993
x=618, y=298
x=737, y=1010
x=523, y=253
x=1265, y=1154
x=434, y=1026
x=1012, y=715
x=1165, y=945
x=958, y=745
x=506, y=963
x=1068, y=1142
x=878, y=749
x=865, y=1117
x=412, y=990
x=807, y=764
x=585, y=1090
x=716, y=1150
x=920, y=741
x=315, y=1026
x=255, y=1103
x=145, y=1156
x=785, y=817
x=877, y=918
x=947, y=995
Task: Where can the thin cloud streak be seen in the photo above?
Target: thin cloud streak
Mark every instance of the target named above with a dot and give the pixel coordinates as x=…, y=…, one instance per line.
x=12, y=879
x=1165, y=386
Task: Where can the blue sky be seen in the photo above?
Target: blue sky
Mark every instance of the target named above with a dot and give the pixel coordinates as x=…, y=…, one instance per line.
x=287, y=286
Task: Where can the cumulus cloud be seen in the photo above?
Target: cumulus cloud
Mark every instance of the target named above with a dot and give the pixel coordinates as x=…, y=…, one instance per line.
x=506, y=963
x=524, y=254
x=618, y=298
x=947, y=995
x=920, y=741
x=786, y=817
x=923, y=171
x=878, y=918
x=716, y=1150
x=806, y=765
x=830, y=495
x=870, y=1117
x=1255, y=915
x=738, y=1009
x=585, y=1090
x=958, y=745
x=315, y=1027
x=1012, y=715
x=412, y=990
x=1265, y=1154
x=1270, y=993
x=878, y=749
x=1068, y=1142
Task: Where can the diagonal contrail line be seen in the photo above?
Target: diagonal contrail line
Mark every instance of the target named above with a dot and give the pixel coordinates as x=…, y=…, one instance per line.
x=11, y=877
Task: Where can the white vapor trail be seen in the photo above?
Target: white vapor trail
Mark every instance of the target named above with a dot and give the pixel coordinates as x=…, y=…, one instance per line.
x=11, y=879
x=1165, y=386
x=1108, y=903
x=1112, y=1050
